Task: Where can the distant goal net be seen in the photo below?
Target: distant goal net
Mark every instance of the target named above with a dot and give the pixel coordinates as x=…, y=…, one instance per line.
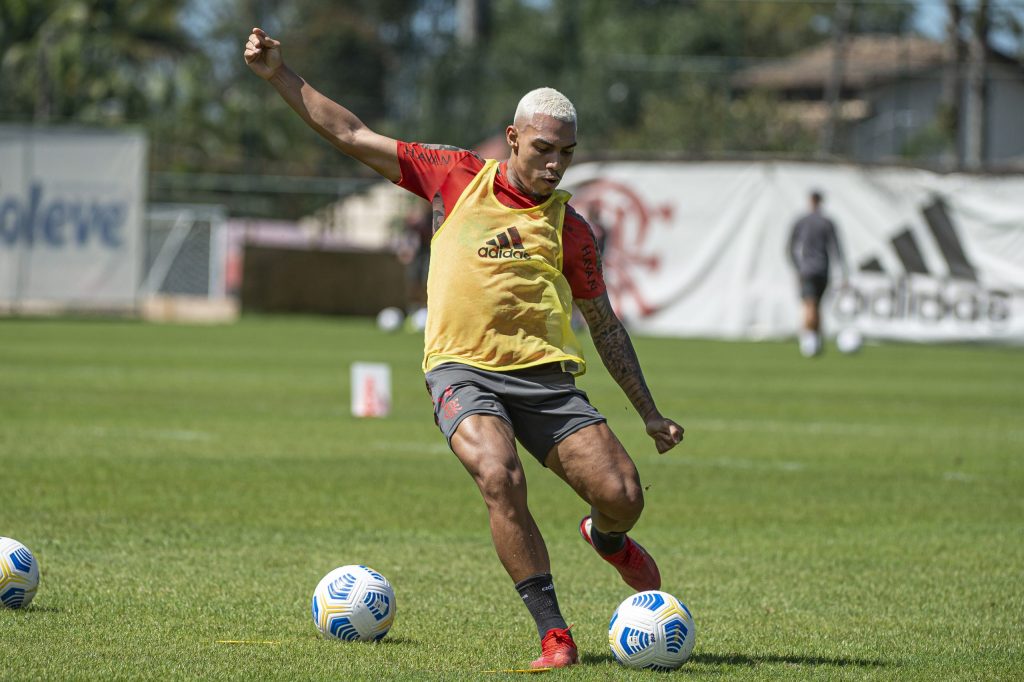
x=184, y=263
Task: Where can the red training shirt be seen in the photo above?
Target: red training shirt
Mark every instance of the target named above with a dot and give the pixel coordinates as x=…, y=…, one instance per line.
x=440, y=174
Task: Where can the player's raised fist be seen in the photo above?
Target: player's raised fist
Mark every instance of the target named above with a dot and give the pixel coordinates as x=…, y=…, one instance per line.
x=665, y=432
x=263, y=54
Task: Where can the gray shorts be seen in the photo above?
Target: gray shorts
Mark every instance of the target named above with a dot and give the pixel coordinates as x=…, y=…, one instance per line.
x=542, y=404
x=813, y=286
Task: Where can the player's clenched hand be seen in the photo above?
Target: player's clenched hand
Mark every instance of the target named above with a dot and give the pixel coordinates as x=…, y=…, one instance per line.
x=665, y=432
x=263, y=54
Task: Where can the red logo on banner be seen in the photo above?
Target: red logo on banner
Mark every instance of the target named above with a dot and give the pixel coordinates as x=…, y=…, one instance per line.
x=623, y=223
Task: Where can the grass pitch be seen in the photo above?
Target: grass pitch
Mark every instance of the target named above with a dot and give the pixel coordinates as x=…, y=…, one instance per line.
x=842, y=518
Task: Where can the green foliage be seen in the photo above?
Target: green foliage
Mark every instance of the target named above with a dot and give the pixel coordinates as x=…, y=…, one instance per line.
x=703, y=121
x=88, y=61
x=843, y=518
x=645, y=75
x=928, y=143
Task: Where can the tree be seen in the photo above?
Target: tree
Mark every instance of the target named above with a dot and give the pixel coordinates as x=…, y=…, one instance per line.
x=629, y=65
x=90, y=61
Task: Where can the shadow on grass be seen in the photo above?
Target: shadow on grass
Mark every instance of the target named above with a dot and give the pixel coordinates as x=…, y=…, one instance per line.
x=32, y=608
x=387, y=641
x=399, y=641
x=734, y=659
x=743, y=659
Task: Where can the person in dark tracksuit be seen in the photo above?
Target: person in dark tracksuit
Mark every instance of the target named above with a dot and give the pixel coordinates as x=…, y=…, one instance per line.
x=813, y=244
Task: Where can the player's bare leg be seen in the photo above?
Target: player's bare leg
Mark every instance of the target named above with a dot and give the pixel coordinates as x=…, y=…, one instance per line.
x=812, y=320
x=486, y=447
x=595, y=464
x=810, y=336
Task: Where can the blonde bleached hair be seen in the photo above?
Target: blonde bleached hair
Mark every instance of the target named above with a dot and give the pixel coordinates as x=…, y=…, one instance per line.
x=546, y=101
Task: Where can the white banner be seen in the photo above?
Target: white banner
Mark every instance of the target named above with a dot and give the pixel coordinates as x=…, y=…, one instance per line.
x=699, y=249
x=71, y=212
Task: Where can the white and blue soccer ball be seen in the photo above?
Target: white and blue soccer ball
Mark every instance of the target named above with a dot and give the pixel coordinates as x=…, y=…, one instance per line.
x=354, y=604
x=19, y=574
x=419, y=319
x=390, y=319
x=849, y=341
x=652, y=630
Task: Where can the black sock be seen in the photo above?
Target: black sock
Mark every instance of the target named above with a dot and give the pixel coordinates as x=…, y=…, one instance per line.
x=606, y=543
x=538, y=593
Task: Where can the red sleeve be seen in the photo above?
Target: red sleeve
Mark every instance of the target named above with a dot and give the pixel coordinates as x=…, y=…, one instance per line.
x=425, y=167
x=581, y=262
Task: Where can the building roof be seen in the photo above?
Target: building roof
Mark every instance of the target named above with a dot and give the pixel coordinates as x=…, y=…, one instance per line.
x=870, y=59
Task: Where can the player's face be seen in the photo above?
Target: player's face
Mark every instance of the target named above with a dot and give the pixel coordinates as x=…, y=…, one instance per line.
x=542, y=150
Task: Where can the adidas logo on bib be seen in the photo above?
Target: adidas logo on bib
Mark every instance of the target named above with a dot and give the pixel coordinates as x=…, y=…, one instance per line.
x=507, y=244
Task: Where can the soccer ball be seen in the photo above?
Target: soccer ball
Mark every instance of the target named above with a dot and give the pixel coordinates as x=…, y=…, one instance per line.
x=390, y=319
x=354, y=603
x=849, y=341
x=19, y=574
x=419, y=319
x=652, y=630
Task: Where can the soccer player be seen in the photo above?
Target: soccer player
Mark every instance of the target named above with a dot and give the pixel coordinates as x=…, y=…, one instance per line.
x=508, y=257
x=812, y=241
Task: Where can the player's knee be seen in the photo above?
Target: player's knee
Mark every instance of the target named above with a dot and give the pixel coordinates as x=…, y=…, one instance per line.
x=623, y=501
x=501, y=485
x=632, y=502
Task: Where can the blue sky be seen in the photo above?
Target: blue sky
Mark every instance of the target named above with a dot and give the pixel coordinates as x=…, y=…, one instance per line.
x=931, y=17
x=931, y=21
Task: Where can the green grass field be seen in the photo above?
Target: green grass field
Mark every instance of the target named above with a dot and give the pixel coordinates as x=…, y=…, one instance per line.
x=843, y=518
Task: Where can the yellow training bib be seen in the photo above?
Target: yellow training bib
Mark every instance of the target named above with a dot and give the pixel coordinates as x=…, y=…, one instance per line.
x=496, y=295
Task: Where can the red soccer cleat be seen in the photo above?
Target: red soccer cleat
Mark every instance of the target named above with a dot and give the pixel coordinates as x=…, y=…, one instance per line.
x=557, y=650
x=633, y=563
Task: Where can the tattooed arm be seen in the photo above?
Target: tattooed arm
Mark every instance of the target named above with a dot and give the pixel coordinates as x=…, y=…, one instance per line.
x=617, y=354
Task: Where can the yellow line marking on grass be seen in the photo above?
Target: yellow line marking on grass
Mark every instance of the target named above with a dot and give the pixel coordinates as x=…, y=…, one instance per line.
x=528, y=671
x=247, y=641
